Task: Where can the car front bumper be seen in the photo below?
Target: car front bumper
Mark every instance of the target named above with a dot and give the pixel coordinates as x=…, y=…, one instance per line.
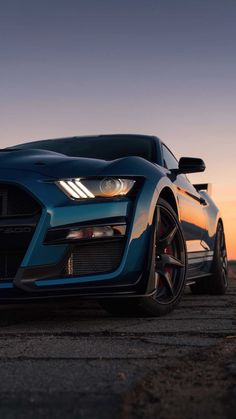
x=42, y=269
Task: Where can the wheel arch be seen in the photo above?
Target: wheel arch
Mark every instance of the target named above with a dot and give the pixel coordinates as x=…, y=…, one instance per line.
x=168, y=195
x=221, y=222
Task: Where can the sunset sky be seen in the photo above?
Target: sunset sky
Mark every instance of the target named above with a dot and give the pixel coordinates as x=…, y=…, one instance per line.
x=162, y=67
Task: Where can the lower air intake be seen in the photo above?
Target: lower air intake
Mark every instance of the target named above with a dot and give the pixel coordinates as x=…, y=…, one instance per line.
x=94, y=258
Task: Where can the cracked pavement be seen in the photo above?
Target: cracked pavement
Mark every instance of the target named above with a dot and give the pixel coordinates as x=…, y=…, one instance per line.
x=74, y=360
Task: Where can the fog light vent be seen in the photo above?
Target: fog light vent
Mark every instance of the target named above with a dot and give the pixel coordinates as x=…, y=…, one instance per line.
x=95, y=258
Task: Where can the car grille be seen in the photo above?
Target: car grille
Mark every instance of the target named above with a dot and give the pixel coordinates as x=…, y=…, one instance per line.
x=19, y=214
x=94, y=258
x=9, y=264
x=15, y=202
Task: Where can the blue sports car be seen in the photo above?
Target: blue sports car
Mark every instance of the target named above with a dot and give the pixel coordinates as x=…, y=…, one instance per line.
x=112, y=217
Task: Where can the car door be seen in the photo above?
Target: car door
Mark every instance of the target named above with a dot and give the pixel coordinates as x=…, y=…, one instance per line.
x=191, y=208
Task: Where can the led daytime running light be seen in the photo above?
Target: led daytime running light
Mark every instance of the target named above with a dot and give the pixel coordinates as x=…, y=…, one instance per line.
x=91, y=188
x=76, y=189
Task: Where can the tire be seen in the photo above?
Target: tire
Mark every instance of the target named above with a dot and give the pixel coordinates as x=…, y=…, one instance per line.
x=169, y=266
x=216, y=284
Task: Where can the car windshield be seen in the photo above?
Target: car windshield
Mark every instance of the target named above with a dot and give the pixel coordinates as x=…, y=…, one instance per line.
x=104, y=147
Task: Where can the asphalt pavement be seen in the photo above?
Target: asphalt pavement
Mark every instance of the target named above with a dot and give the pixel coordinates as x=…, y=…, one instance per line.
x=76, y=361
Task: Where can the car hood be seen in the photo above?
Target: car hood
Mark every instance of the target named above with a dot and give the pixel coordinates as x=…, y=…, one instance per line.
x=51, y=164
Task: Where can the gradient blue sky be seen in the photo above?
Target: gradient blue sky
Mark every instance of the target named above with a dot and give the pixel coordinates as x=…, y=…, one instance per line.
x=163, y=67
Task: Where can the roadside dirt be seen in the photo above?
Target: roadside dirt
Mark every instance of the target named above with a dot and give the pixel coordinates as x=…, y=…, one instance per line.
x=74, y=361
x=201, y=386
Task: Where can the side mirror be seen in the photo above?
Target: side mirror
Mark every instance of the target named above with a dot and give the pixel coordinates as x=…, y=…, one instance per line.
x=191, y=165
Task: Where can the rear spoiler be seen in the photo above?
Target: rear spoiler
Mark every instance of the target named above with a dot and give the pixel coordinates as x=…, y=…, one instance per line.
x=204, y=187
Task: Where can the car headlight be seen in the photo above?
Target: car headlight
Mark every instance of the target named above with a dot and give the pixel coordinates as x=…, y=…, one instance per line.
x=91, y=188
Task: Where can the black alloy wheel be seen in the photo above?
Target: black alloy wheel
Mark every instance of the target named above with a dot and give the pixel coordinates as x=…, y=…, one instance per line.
x=170, y=262
x=223, y=260
x=168, y=269
x=217, y=283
